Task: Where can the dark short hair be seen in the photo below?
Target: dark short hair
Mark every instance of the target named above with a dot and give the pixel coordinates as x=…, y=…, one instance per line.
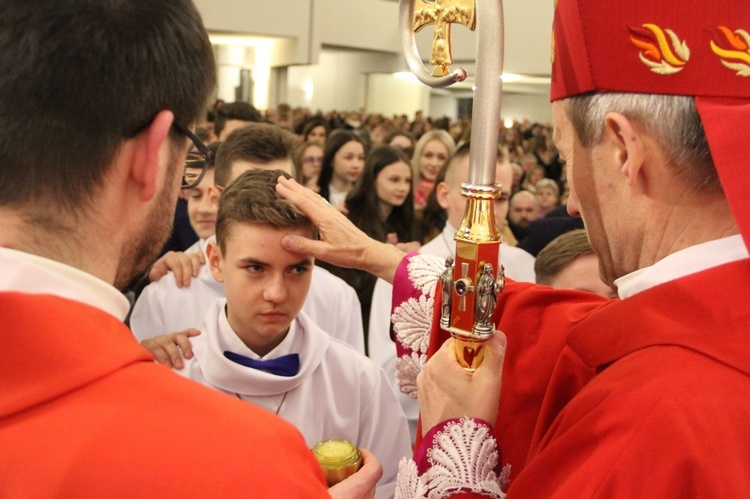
x=82, y=76
x=241, y=111
x=252, y=197
x=256, y=142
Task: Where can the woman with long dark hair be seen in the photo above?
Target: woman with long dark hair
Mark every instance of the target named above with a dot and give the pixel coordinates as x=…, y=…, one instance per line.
x=343, y=162
x=381, y=205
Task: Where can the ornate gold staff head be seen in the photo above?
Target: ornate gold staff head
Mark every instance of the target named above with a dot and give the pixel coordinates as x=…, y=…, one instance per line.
x=470, y=285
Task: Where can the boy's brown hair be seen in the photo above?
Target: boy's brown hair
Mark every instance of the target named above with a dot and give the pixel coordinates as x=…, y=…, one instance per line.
x=252, y=197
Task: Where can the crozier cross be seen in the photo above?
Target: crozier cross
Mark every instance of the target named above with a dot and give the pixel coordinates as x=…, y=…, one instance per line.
x=442, y=13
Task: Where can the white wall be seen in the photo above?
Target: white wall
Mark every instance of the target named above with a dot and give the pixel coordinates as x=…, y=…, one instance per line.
x=326, y=54
x=389, y=95
x=442, y=104
x=338, y=81
x=334, y=83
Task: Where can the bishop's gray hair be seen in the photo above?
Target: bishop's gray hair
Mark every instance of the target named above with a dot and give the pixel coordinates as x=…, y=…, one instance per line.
x=673, y=120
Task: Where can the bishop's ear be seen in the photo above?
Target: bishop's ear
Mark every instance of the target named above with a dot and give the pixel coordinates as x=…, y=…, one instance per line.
x=215, y=261
x=624, y=141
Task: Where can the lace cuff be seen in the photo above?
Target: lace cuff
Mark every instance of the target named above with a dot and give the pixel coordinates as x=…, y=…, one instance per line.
x=413, y=303
x=462, y=457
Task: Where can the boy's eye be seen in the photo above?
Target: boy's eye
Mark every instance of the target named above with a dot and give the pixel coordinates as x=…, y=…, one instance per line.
x=300, y=269
x=254, y=268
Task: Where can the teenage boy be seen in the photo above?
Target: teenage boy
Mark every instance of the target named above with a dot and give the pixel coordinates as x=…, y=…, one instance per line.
x=165, y=306
x=258, y=345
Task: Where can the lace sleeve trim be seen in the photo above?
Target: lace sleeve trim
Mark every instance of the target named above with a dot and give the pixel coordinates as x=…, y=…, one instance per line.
x=412, y=319
x=463, y=458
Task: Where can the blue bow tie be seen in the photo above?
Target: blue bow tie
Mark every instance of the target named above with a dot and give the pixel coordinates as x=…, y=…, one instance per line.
x=286, y=365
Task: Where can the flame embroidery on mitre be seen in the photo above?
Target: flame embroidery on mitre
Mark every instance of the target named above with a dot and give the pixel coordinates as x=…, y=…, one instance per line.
x=660, y=49
x=733, y=49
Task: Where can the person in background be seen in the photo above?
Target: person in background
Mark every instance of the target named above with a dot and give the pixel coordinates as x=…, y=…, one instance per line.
x=547, y=194
x=430, y=154
x=381, y=206
x=517, y=177
x=230, y=117
x=524, y=209
x=343, y=162
x=308, y=158
x=401, y=139
x=544, y=151
x=316, y=130
x=568, y=262
x=512, y=142
x=532, y=178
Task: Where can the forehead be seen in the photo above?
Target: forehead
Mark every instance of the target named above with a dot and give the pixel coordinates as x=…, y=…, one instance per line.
x=207, y=180
x=435, y=145
x=351, y=147
x=523, y=201
x=459, y=173
x=314, y=149
x=397, y=168
x=504, y=175
x=401, y=140
x=244, y=238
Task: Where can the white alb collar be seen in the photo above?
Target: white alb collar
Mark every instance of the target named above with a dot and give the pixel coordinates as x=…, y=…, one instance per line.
x=32, y=274
x=682, y=263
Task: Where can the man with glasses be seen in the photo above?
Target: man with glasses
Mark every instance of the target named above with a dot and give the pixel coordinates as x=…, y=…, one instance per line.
x=86, y=197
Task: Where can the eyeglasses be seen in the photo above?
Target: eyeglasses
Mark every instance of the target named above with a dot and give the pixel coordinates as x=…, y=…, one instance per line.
x=312, y=160
x=199, y=158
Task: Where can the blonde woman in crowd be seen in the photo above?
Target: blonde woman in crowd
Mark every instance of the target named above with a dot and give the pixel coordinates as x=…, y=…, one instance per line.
x=430, y=153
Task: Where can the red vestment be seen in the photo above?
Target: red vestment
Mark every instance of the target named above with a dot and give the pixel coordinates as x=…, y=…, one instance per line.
x=668, y=412
x=85, y=412
x=648, y=395
x=536, y=321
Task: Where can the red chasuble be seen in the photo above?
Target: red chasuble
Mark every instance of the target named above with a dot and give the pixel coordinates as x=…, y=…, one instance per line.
x=536, y=320
x=644, y=396
x=85, y=412
x=668, y=412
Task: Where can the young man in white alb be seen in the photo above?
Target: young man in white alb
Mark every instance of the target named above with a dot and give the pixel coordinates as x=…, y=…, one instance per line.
x=257, y=345
x=169, y=304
